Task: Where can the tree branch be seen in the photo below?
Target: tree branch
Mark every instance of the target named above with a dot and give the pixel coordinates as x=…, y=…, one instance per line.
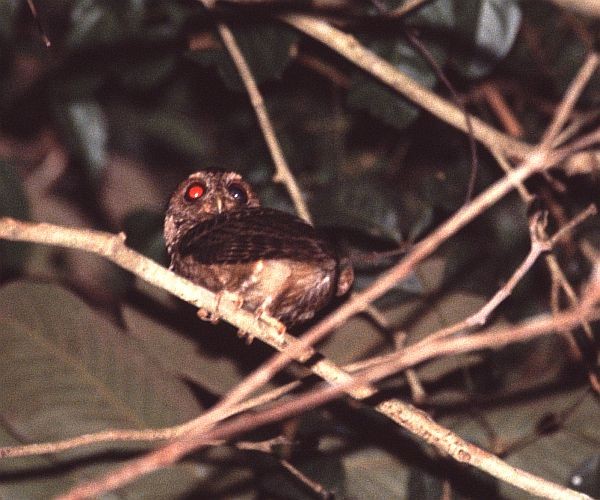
x=350, y=48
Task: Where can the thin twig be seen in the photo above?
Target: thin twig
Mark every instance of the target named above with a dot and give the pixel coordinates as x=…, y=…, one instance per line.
x=398, y=411
x=406, y=8
x=558, y=276
x=283, y=173
x=570, y=98
x=540, y=243
x=312, y=485
x=414, y=40
x=113, y=248
x=38, y=21
x=500, y=108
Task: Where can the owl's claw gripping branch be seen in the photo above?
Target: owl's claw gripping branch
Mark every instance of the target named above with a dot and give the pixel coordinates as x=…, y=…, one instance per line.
x=215, y=317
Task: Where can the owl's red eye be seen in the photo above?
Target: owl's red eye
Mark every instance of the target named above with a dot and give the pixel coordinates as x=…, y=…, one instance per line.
x=194, y=191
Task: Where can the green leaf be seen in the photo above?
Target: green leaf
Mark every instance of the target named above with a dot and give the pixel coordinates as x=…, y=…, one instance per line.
x=379, y=100
x=372, y=473
x=64, y=363
x=164, y=126
x=38, y=484
x=343, y=205
x=266, y=47
x=13, y=203
x=144, y=230
x=66, y=371
x=181, y=356
x=491, y=26
x=586, y=477
x=105, y=23
x=553, y=454
x=147, y=71
x=86, y=129
x=143, y=37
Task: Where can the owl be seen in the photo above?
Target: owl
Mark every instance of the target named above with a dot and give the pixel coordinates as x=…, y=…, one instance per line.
x=219, y=237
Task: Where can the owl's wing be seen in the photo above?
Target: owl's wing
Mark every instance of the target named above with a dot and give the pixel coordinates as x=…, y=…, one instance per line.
x=254, y=233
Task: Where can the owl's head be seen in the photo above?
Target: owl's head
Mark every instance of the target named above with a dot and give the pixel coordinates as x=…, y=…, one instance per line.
x=203, y=195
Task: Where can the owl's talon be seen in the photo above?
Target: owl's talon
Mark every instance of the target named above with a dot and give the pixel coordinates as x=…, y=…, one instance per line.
x=248, y=337
x=263, y=315
x=206, y=315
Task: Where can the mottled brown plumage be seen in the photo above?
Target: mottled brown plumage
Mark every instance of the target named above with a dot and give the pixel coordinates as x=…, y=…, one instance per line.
x=219, y=237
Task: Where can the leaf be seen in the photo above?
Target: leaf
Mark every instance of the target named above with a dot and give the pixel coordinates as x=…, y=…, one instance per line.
x=466, y=483
x=372, y=207
x=266, y=47
x=66, y=371
x=553, y=455
x=168, y=128
x=86, y=128
x=144, y=233
x=372, y=473
x=95, y=23
x=356, y=339
x=38, y=484
x=63, y=362
x=379, y=100
x=492, y=26
x=147, y=71
x=180, y=356
x=586, y=477
x=143, y=37
x=13, y=203
x=108, y=23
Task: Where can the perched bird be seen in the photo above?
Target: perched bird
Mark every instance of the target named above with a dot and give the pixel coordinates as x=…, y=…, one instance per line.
x=219, y=236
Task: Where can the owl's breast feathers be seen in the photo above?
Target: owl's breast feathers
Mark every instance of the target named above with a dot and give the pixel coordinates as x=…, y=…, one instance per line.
x=269, y=256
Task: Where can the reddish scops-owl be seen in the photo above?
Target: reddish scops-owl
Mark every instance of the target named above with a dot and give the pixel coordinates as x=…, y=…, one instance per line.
x=219, y=236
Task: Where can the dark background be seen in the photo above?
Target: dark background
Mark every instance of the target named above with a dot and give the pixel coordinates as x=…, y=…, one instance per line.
x=132, y=96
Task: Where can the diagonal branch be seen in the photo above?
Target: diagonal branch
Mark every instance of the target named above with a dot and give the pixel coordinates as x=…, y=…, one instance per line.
x=350, y=48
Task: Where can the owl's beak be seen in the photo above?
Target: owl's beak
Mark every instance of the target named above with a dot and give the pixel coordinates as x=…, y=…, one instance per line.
x=219, y=203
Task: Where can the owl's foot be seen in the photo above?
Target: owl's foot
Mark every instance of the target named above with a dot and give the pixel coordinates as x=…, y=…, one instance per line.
x=271, y=321
x=247, y=336
x=215, y=317
x=206, y=315
x=261, y=314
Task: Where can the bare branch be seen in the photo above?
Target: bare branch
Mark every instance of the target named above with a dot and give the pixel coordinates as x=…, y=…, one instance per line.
x=113, y=248
x=351, y=49
x=570, y=98
x=38, y=21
